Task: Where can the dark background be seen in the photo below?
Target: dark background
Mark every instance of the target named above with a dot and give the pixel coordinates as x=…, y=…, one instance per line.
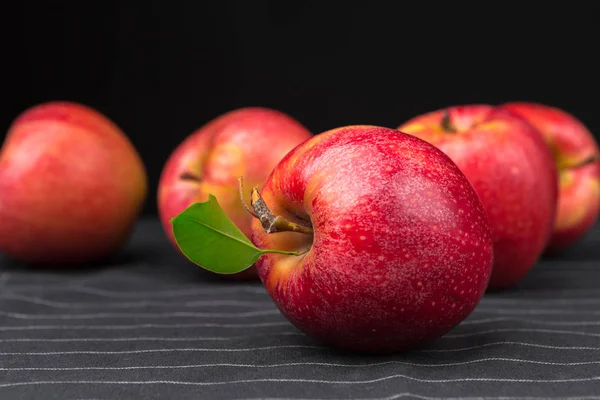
x=161, y=69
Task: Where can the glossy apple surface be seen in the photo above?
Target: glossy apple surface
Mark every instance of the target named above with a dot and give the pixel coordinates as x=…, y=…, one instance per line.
x=246, y=142
x=71, y=186
x=401, y=250
x=576, y=154
x=512, y=170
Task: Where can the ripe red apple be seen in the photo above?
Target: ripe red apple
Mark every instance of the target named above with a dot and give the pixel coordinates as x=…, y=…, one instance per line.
x=512, y=170
x=246, y=142
x=71, y=186
x=401, y=250
x=577, y=158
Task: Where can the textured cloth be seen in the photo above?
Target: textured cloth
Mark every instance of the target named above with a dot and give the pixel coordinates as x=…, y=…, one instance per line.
x=153, y=326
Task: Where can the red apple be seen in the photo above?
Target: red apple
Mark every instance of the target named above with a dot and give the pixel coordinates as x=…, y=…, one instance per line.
x=246, y=142
x=401, y=250
x=512, y=170
x=71, y=186
x=576, y=154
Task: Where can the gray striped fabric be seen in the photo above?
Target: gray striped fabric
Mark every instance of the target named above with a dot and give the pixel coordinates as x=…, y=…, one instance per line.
x=152, y=326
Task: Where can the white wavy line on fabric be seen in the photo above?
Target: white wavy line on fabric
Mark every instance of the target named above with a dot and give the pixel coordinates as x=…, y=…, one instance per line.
x=143, y=303
x=520, y=301
x=177, y=339
x=147, y=293
x=190, y=349
x=105, y=277
x=542, y=346
x=266, y=324
x=134, y=304
x=142, y=326
x=242, y=303
x=146, y=338
x=186, y=314
x=421, y=397
x=470, y=334
x=297, y=380
x=532, y=321
x=534, y=311
x=273, y=311
x=217, y=290
x=312, y=364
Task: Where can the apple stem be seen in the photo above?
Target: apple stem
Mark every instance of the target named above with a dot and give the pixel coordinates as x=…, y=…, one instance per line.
x=590, y=160
x=272, y=223
x=446, y=123
x=241, y=190
x=288, y=253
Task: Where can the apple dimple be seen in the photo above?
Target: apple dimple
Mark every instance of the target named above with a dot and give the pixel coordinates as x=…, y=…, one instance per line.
x=446, y=122
x=577, y=163
x=190, y=177
x=462, y=119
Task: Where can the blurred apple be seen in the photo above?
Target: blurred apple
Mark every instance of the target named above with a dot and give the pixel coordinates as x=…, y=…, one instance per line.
x=246, y=142
x=512, y=170
x=577, y=160
x=71, y=186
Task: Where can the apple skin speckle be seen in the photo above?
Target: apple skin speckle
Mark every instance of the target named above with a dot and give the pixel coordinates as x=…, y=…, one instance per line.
x=388, y=240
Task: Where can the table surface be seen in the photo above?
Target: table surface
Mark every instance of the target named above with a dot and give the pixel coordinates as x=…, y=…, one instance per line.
x=152, y=325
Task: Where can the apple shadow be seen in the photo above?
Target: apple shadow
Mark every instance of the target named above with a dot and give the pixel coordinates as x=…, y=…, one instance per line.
x=161, y=259
x=579, y=251
x=331, y=349
x=116, y=260
x=586, y=248
x=556, y=275
x=426, y=353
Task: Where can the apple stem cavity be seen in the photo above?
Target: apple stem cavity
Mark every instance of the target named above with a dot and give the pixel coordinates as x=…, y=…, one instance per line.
x=272, y=223
x=446, y=123
x=587, y=161
x=188, y=176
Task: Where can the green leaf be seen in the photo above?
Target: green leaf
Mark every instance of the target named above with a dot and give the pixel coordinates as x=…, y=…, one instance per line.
x=210, y=239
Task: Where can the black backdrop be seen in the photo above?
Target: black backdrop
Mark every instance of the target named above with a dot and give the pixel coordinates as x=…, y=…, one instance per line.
x=161, y=69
